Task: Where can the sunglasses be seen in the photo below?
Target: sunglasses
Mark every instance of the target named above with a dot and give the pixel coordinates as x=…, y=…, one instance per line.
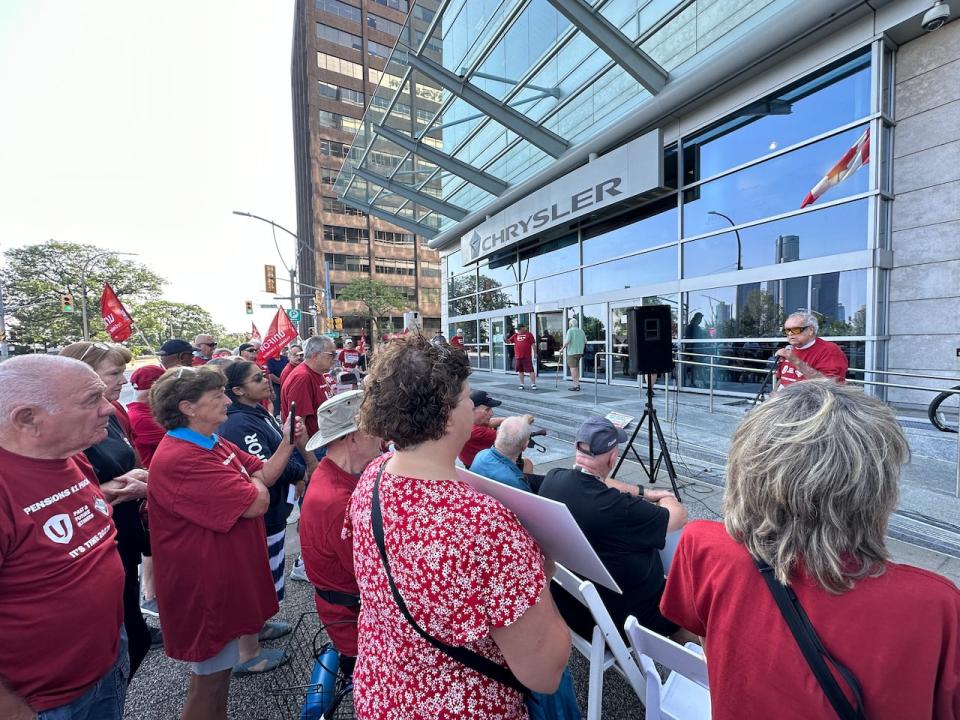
x=795, y=330
x=97, y=345
x=259, y=377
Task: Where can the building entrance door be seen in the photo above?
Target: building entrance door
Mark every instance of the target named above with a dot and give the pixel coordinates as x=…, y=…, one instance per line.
x=549, y=341
x=498, y=351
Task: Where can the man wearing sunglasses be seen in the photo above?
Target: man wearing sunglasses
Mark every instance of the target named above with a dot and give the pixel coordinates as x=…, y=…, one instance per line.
x=807, y=356
x=205, y=345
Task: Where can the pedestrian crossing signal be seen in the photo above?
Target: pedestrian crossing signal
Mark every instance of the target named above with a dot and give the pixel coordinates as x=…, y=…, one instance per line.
x=66, y=303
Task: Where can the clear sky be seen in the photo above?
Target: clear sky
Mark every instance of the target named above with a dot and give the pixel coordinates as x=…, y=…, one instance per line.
x=140, y=126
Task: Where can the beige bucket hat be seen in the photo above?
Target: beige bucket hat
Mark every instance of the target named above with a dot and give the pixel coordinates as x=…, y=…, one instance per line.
x=336, y=417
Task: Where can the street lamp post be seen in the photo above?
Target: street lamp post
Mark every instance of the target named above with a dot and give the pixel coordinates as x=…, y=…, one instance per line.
x=83, y=287
x=735, y=232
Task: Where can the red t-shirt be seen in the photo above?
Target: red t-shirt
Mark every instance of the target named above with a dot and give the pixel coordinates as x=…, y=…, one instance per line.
x=823, y=356
x=328, y=556
x=212, y=573
x=309, y=390
x=145, y=432
x=898, y=633
x=198, y=361
x=349, y=359
x=285, y=373
x=463, y=564
x=481, y=438
x=523, y=343
x=457, y=341
x=61, y=580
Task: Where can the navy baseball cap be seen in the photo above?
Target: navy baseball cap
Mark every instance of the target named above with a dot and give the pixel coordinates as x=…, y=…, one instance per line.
x=600, y=435
x=175, y=347
x=480, y=397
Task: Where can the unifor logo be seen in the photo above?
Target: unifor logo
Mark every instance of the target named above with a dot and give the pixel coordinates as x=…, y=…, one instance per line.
x=474, y=245
x=101, y=506
x=59, y=528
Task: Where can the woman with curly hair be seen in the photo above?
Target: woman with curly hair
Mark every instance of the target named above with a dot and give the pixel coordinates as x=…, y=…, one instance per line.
x=466, y=571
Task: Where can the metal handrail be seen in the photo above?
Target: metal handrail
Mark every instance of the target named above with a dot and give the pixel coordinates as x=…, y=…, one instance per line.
x=596, y=380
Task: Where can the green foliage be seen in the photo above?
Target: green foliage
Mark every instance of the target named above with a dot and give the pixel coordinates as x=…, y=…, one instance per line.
x=161, y=320
x=37, y=276
x=378, y=298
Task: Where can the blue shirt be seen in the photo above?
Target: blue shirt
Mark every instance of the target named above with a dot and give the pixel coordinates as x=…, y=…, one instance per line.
x=493, y=464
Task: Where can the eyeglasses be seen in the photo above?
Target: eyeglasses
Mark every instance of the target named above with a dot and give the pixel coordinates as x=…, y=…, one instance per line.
x=299, y=356
x=795, y=330
x=97, y=345
x=213, y=344
x=259, y=377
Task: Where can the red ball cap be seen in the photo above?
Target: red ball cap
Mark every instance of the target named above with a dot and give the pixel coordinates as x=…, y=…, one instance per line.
x=143, y=378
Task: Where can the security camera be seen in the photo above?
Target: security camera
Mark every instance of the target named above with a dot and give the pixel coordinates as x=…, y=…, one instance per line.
x=936, y=17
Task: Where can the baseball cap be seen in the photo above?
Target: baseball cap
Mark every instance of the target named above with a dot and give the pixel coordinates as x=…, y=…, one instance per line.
x=348, y=341
x=336, y=417
x=246, y=346
x=480, y=397
x=144, y=377
x=175, y=347
x=600, y=435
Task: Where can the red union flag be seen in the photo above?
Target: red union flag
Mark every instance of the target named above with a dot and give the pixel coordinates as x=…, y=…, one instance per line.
x=116, y=319
x=852, y=160
x=255, y=335
x=280, y=334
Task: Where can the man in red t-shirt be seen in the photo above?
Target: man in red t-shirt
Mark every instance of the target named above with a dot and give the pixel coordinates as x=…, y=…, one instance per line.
x=807, y=356
x=294, y=358
x=310, y=383
x=524, y=348
x=61, y=579
x=457, y=340
x=484, y=430
x=348, y=357
x=327, y=556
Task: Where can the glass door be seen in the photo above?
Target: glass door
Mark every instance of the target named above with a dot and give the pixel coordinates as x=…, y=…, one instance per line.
x=549, y=340
x=498, y=353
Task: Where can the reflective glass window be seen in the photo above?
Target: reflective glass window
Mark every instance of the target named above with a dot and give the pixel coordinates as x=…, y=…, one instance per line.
x=383, y=25
x=498, y=299
x=553, y=256
x=840, y=301
x=430, y=296
x=339, y=65
x=500, y=270
x=558, y=286
x=340, y=37
x=401, y=5
x=631, y=272
x=469, y=330
x=462, y=285
x=655, y=224
x=341, y=9
x=834, y=230
x=454, y=263
x=835, y=97
x=378, y=50
x=462, y=306
x=775, y=186
x=593, y=323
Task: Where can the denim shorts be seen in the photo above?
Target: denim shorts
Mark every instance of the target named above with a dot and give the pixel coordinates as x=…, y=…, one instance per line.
x=223, y=660
x=105, y=699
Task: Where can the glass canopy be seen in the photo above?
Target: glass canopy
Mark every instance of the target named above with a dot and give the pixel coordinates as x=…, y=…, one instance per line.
x=479, y=95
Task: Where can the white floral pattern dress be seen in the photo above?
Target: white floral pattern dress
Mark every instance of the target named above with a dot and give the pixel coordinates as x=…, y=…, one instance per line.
x=463, y=564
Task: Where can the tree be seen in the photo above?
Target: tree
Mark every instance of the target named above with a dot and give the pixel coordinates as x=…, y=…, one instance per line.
x=39, y=275
x=161, y=320
x=378, y=298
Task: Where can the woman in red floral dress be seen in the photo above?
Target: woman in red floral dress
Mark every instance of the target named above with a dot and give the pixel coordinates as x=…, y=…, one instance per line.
x=468, y=572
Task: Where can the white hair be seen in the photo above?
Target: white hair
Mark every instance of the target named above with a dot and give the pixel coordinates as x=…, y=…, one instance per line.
x=807, y=318
x=512, y=436
x=317, y=344
x=573, y=322
x=27, y=380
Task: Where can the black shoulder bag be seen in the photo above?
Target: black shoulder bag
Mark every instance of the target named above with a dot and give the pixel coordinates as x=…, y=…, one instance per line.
x=484, y=666
x=813, y=650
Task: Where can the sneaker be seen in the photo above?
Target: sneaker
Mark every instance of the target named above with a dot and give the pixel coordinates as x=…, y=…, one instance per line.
x=299, y=572
x=522, y=387
x=149, y=607
x=533, y=387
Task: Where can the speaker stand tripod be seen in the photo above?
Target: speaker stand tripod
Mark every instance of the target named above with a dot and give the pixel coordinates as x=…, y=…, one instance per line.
x=761, y=394
x=652, y=467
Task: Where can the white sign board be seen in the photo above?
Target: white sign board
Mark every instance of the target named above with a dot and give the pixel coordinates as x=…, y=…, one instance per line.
x=551, y=525
x=625, y=172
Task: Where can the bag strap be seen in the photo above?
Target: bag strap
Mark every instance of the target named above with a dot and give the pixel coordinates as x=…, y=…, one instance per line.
x=483, y=665
x=813, y=649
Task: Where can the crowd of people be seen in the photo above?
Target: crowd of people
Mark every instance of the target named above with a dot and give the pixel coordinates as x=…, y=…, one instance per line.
x=438, y=600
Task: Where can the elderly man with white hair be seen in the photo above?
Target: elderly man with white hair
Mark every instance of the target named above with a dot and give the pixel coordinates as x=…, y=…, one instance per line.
x=61, y=579
x=807, y=356
x=500, y=462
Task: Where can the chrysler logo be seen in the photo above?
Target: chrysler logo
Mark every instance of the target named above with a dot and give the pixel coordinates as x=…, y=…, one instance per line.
x=59, y=528
x=474, y=245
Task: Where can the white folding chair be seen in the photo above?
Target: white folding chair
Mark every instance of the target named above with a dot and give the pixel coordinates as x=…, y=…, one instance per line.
x=605, y=649
x=685, y=695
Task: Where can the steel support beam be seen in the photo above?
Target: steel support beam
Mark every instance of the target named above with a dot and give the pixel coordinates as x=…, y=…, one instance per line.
x=535, y=134
x=411, y=225
x=449, y=163
x=614, y=43
x=427, y=201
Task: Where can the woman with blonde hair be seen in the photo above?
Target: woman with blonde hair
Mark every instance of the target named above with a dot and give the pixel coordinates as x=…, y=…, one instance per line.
x=811, y=482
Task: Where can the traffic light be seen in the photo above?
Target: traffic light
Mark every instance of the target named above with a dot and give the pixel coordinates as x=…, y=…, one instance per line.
x=66, y=303
x=270, y=278
x=338, y=323
x=249, y=304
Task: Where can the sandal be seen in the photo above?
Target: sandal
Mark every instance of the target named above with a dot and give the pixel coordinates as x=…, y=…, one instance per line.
x=272, y=658
x=274, y=630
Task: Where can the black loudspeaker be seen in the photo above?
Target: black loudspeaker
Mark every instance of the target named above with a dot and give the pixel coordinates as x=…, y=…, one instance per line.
x=650, y=339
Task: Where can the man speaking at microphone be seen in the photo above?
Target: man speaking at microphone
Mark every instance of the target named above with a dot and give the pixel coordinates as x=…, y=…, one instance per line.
x=807, y=356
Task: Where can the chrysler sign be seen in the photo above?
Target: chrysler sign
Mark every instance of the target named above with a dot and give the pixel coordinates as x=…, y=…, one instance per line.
x=630, y=170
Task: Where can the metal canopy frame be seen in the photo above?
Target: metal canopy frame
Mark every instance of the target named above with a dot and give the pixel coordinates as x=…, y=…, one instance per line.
x=481, y=179
x=549, y=142
x=614, y=43
x=427, y=201
x=411, y=225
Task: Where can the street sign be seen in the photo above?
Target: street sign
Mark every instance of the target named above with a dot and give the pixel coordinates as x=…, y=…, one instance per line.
x=293, y=314
x=268, y=307
x=332, y=334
